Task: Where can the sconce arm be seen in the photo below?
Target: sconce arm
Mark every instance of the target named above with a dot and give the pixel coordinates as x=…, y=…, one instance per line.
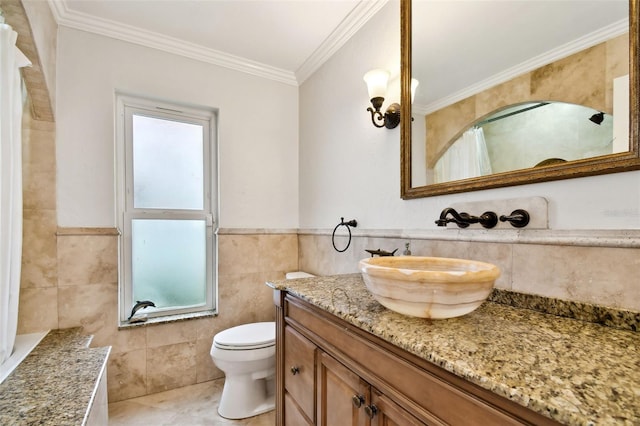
x=390, y=119
x=376, y=114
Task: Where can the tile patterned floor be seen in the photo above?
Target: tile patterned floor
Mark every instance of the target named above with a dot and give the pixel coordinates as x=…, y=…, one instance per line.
x=195, y=405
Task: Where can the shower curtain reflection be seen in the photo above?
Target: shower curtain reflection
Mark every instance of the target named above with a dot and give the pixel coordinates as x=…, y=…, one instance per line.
x=465, y=158
x=11, y=59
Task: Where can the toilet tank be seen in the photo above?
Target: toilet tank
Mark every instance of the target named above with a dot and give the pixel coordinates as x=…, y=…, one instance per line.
x=298, y=274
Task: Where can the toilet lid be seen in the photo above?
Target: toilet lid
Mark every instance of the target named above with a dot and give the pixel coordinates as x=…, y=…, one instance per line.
x=248, y=336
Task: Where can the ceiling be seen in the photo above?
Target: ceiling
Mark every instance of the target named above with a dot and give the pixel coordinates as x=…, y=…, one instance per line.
x=285, y=40
x=457, y=44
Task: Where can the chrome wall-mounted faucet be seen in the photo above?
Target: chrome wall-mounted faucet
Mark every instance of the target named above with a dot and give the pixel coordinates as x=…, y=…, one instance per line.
x=463, y=220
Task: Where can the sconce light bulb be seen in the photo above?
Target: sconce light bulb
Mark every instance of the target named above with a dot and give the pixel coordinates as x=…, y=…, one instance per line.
x=414, y=87
x=377, y=83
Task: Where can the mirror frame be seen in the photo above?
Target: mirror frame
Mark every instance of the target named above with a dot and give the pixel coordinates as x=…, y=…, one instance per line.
x=613, y=163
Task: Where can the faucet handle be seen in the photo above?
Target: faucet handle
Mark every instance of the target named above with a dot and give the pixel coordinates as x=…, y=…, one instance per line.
x=518, y=218
x=488, y=220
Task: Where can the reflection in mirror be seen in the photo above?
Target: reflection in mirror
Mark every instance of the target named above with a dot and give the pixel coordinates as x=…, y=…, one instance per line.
x=567, y=60
x=531, y=134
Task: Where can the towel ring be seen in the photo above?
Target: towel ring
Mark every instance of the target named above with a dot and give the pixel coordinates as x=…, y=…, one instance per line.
x=348, y=225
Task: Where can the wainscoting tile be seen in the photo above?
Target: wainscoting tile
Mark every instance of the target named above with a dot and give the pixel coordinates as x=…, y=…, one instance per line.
x=38, y=309
x=87, y=260
x=169, y=334
x=88, y=306
x=205, y=368
x=39, y=190
x=171, y=366
x=127, y=375
x=278, y=252
x=511, y=92
x=39, y=257
x=238, y=254
x=597, y=275
x=576, y=79
x=246, y=298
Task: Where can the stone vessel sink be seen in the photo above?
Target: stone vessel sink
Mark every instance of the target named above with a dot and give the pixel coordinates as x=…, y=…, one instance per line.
x=428, y=287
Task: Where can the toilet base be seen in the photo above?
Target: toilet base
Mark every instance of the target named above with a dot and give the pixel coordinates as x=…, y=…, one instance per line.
x=244, y=396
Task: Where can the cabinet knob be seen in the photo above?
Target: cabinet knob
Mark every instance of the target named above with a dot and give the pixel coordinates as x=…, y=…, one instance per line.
x=371, y=410
x=358, y=400
x=295, y=370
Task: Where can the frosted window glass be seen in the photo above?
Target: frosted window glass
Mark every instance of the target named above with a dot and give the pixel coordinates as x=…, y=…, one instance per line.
x=167, y=164
x=169, y=258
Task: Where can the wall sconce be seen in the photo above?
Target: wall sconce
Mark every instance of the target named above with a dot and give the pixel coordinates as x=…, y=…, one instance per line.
x=377, y=85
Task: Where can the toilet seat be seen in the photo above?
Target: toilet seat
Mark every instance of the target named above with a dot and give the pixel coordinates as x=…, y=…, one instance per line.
x=246, y=337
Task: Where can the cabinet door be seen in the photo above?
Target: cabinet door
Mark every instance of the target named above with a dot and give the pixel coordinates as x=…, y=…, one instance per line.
x=385, y=412
x=342, y=395
x=299, y=375
x=293, y=414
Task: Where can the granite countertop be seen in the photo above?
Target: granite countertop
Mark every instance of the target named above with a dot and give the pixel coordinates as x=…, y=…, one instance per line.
x=575, y=372
x=56, y=382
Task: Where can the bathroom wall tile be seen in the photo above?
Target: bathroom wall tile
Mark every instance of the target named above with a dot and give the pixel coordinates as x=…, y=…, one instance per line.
x=168, y=334
x=497, y=254
x=205, y=368
x=87, y=259
x=423, y=247
x=325, y=262
x=43, y=126
x=508, y=93
x=38, y=149
x=315, y=254
x=245, y=298
x=444, y=124
x=206, y=328
x=603, y=276
x=577, y=79
x=171, y=366
x=38, y=309
x=125, y=340
x=39, y=254
x=278, y=252
x=127, y=375
x=318, y=257
x=39, y=189
x=87, y=305
x=617, y=64
x=238, y=254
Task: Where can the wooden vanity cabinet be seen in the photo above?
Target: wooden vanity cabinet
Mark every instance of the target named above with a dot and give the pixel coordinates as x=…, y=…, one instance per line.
x=299, y=379
x=331, y=373
x=345, y=398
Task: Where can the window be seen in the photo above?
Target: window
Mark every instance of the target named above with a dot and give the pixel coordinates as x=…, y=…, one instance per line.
x=165, y=207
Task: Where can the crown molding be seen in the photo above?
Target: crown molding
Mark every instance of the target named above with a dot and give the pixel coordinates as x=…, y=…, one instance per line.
x=616, y=29
x=85, y=22
x=347, y=28
x=356, y=19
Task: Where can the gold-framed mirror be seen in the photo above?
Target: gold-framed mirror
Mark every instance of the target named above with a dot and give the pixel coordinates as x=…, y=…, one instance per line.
x=453, y=109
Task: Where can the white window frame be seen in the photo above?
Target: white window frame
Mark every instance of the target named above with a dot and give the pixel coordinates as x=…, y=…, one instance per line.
x=126, y=106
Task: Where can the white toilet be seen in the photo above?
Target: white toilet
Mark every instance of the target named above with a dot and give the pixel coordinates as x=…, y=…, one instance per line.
x=247, y=356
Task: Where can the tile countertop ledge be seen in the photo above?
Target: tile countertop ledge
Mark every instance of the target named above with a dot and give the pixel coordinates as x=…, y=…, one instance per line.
x=575, y=372
x=56, y=382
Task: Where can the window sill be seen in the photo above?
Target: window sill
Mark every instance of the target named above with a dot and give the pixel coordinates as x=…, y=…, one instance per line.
x=167, y=319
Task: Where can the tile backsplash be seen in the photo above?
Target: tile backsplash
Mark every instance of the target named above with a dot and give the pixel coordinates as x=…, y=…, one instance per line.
x=560, y=265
